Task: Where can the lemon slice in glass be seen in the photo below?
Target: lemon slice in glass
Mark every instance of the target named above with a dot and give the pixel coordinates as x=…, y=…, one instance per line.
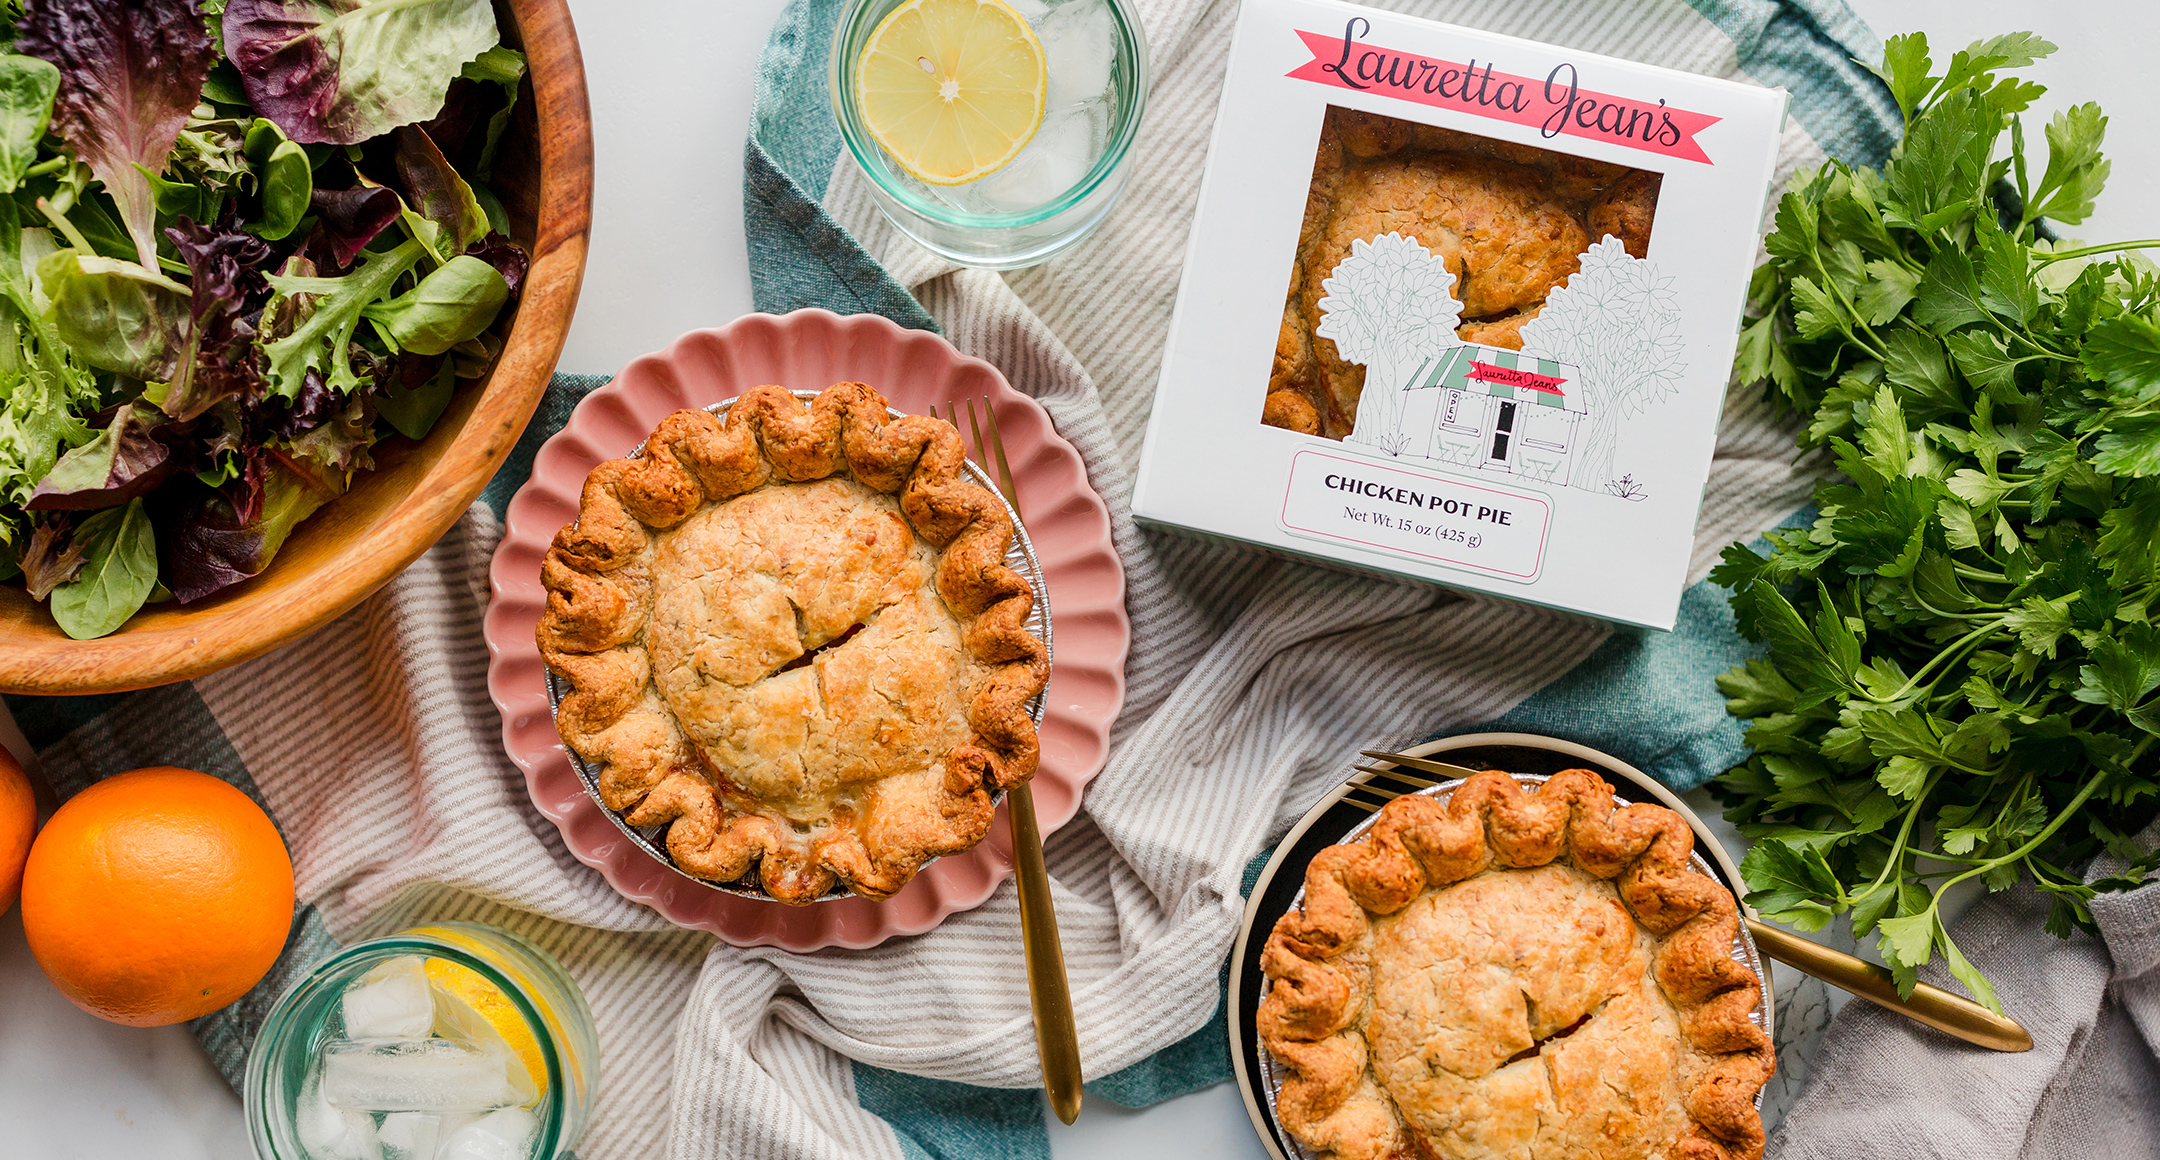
x=470, y=1008
x=953, y=89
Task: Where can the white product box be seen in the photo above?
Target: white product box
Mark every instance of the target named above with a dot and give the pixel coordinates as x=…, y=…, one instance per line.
x=1459, y=307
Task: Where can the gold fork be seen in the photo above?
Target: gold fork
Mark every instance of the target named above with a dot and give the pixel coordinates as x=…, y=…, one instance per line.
x=1057, y=1041
x=1948, y=1013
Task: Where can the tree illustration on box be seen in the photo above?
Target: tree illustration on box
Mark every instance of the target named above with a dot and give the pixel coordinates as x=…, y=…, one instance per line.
x=1390, y=305
x=1619, y=323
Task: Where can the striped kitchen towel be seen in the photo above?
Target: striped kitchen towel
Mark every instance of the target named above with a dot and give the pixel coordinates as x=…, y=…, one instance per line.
x=1251, y=681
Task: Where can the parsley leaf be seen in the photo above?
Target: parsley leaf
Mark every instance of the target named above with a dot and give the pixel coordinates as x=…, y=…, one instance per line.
x=2075, y=170
x=2131, y=447
x=2124, y=353
x=1905, y=69
x=1949, y=295
x=2123, y=672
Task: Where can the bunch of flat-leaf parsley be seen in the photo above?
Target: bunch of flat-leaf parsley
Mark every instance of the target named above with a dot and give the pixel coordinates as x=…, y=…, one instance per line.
x=1962, y=655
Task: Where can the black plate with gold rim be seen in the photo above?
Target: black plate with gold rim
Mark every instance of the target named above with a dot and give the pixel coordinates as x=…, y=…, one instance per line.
x=1336, y=815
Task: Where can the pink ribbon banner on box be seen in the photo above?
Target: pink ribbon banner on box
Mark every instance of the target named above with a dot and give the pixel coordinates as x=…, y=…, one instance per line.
x=1555, y=104
x=1511, y=377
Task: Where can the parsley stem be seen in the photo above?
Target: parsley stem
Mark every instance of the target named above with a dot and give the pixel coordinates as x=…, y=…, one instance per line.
x=2045, y=350
x=1878, y=349
x=1939, y=614
x=2088, y=251
x=1939, y=856
x=1896, y=860
x=1913, y=682
x=2040, y=839
x=2016, y=797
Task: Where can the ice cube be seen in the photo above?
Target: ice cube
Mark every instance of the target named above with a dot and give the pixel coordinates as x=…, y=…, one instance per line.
x=1079, y=46
x=503, y=1135
x=1057, y=159
x=390, y=1002
x=416, y=1135
x=331, y=1133
x=422, y=1075
x=935, y=194
x=1030, y=10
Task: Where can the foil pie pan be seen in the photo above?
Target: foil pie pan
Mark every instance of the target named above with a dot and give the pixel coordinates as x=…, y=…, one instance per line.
x=1270, y=1077
x=1019, y=556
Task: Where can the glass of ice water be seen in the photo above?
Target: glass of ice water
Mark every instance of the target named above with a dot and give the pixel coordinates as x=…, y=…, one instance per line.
x=1061, y=184
x=454, y=1041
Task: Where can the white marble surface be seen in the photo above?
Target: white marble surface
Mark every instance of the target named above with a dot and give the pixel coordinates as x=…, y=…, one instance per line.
x=671, y=83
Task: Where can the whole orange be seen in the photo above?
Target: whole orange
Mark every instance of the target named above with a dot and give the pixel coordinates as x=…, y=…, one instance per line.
x=18, y=824
x=157, y=895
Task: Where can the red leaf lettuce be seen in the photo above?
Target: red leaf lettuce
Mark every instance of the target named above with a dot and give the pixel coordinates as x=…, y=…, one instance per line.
x=342, y=71
x=130, y=73
x=226, y=284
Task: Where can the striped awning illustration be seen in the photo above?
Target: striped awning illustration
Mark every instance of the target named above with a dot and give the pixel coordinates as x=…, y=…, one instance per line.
x=1502, y=373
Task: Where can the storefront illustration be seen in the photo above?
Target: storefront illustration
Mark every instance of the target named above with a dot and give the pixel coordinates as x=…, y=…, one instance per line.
x=1497, y=410
x=1603, y=350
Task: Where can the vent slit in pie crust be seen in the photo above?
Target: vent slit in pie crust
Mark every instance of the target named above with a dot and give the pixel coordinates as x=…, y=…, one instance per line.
x=791, y=636
x=1522, y=973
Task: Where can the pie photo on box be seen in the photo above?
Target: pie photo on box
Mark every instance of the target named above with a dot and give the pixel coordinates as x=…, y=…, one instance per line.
x=790, y=635
x=1517, y=971
x=1425, y=258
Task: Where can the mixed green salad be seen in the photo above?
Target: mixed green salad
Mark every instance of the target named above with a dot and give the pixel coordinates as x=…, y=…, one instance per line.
x=1964, y=645
x=240, y=242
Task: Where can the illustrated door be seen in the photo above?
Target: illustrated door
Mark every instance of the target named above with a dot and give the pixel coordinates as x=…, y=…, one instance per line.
x=1500, y=447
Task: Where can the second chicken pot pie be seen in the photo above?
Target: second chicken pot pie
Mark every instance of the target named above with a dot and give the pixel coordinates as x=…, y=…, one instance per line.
x=1521, y=973
x=1511, y=222
x=791, y=636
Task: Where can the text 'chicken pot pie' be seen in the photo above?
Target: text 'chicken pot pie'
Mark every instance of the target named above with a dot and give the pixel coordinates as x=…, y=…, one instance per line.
x=1515, y=972
x=1510, y=221
x=791, y=635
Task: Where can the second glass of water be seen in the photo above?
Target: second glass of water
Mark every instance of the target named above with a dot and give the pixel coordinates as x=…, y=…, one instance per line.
x=1015, y=208
x=454, y=1041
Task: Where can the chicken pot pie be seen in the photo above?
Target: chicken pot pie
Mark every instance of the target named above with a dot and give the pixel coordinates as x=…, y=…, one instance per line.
x=1511, y=222
x=1515, y=972
x=791, y=636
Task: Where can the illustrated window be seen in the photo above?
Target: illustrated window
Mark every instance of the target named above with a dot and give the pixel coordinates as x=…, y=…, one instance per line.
x=1375, y=176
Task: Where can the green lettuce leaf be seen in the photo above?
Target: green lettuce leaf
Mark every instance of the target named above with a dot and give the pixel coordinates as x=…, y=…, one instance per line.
x=27, y=88
x=120, y=568
x=322, y=341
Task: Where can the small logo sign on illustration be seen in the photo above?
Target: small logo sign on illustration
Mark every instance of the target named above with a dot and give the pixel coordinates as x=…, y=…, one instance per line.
x=1515, y=377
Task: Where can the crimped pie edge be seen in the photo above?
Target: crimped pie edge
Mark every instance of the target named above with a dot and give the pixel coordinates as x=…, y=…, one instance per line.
x=590, y=633
x=1327, y=1092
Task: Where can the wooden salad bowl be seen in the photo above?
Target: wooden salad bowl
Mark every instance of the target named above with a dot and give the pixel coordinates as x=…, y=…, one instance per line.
x=355, y=544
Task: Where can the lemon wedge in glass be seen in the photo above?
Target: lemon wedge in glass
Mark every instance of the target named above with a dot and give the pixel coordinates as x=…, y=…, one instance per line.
x=470, y=1008
x=953, y=89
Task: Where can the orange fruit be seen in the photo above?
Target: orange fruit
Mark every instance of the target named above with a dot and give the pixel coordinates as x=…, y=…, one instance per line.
x=157, y=895
x=18, y=824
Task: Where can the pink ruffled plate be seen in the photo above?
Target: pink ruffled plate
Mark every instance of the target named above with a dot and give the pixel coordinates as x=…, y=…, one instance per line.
x=810, y=350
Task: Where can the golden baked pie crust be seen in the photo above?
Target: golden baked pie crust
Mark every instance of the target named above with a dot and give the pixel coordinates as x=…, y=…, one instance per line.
x=790, y=634
x=1403, y=999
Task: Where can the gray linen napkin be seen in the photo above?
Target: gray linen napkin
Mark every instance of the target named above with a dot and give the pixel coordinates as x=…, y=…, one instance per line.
x=2088, y=1090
